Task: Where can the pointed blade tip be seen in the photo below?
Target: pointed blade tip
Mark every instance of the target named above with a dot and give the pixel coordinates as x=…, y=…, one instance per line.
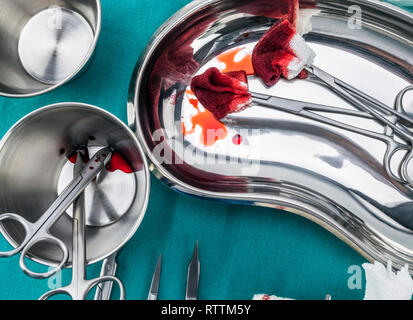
x=196, y=250
x=154, y=289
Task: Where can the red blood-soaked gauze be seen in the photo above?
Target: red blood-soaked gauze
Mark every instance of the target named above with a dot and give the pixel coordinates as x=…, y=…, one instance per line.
x=222, y=93
x=117, y=162
x=176, y=64
x=281, y=52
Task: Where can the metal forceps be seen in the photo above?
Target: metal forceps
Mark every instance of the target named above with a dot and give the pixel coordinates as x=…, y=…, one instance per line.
x=79, y=287
x=373, y=106
x=306, y=110
x=382, y=113
x=39, y=231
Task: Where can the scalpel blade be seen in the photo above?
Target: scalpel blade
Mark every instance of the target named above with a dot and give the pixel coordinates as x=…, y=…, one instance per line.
x=153, y=292
x=193, y=276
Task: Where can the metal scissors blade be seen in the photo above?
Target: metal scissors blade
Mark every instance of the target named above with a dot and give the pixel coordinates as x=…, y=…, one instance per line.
x=79, y=240
x=109, y=267
x=192, y=283
x=379, y=110
x=39, y=231
x=78, y=165
x=154, y=289
x=79, y=286
x=306, y=110
x=296, y=106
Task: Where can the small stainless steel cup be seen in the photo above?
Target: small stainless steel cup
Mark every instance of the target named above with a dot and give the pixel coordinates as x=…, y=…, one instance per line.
x=45, y=43
x=34, y=164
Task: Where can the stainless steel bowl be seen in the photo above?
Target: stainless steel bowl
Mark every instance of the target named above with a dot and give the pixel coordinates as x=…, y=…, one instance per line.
x=33, y=166
x=45, y=43
x=329, y=175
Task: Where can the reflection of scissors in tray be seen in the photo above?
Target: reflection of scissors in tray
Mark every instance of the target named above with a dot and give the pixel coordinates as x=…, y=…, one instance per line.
x=79, y=287
x=308, y=110
x=39, y=231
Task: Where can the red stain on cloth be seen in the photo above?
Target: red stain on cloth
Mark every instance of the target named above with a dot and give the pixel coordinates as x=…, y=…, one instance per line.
x=222, y=93
x=281, y=52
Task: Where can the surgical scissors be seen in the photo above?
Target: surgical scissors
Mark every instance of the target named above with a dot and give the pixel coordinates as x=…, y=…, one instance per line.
x=109, y=267
x=379, y=111
x=374, y=107
x=308, y=110
x=39, y=231
x=79, y=287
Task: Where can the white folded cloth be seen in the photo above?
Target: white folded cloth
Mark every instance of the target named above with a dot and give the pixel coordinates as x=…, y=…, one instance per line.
x=384, y=284
x=381, y=284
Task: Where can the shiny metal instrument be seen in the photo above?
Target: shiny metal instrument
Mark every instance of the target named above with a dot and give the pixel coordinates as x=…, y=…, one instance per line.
x=192, y=281
x=308, y=110
x=154, y=289
x=374, y=107
x=41, y=142
x=380, y=111
x=109, y=267
x=79, y=287
x=38, y=232
x=348, y=181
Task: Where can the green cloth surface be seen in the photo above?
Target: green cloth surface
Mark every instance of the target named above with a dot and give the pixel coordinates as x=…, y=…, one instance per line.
x=243, y=250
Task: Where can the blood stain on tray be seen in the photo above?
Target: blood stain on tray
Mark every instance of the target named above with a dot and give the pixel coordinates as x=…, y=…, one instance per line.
x=229, y=58
x=212, y=129
x=237, y=139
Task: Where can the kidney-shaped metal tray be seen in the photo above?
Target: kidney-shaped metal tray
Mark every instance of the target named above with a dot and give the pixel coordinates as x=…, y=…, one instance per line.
x=267, y=157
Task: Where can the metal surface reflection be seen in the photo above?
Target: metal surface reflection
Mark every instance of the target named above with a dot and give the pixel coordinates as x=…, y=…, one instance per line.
x=330, y=175
x=45, y=43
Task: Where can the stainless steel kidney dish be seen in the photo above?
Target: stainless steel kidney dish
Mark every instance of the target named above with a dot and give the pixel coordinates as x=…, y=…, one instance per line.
x=34, y=159
x=45, y=43
x=268, y=157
